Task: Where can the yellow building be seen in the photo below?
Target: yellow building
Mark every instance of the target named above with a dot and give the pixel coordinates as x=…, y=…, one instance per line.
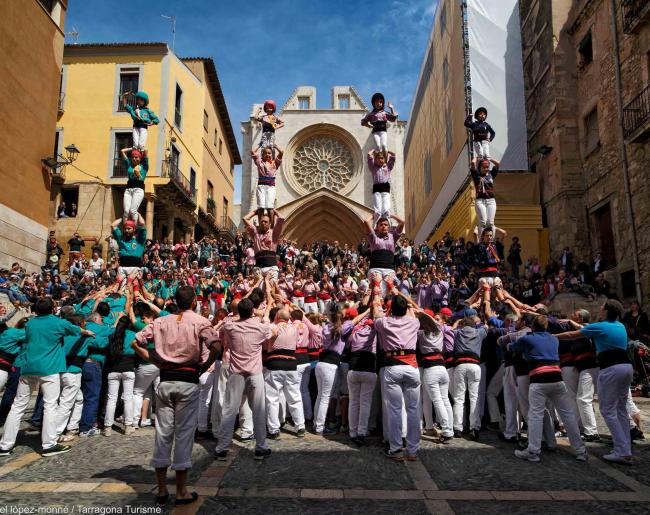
x=192, y=151
x=438, y=192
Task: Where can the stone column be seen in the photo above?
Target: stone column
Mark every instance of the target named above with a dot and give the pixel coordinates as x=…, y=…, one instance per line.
x=170, y=224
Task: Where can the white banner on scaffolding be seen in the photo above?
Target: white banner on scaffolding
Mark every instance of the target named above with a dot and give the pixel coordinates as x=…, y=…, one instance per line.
x=497, y=76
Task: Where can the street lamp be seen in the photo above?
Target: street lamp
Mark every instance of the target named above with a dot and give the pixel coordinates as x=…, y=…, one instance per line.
x=72, y=151
x=58, y=163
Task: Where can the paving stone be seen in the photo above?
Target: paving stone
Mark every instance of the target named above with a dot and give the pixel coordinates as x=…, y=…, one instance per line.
x=365, y=468
x=546, y=507
x=77, y=487
x=329, y=493
x=491, y=465
x=5, y=486
x=521, y=496
x=115, y=488
x=37, y=486
x=465, y=495
x=570, y=495
x=249, y=506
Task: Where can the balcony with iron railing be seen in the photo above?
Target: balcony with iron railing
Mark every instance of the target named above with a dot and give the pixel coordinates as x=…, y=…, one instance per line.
x=170, y=170
x=227, y=225
x=635, y=13
x=212, y=207
x=636, y=118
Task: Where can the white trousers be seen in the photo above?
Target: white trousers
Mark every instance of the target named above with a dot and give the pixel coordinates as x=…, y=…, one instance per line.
x=385, y=411
x=482, y=149
x=324, y=305
x=435, y=383
x=385, y=274
x=482, y=389
x=206, y=384
x=493, y=390
x=4, y=375
x=570, y=377
x=539, y=418
x=50, y=387
x=133, y=197
x=299, y=301
x=304, y=374
x=510, y=402
x=310, y=307
x=325, y=377
x=146, y=376
x=287, y=382
x=402, y=387
x=265, y=196
x=523, y=384
x=486, y=210
x=114, y=379
x=381, y=140
x=613, y=389
x=467, y=377
x=236, y=386
x=219, y=401
x=140, y=137
x=381, y=204
x=587, y=381
x=68, y=412
x=361, y=386
x=176, y=419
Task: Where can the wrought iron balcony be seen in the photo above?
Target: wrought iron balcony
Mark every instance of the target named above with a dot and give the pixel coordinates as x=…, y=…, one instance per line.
x=226, y=225
x=635, y=13
x=212, y=207
x=171, y=171
x=636, y=118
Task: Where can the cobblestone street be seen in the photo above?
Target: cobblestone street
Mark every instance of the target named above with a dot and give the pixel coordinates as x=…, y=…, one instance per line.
x=318, y=475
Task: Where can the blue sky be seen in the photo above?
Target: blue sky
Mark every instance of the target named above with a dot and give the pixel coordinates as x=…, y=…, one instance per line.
x=264, y=49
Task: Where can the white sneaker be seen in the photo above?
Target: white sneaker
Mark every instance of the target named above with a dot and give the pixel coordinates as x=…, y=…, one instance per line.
x=528, y=456
x=129, y=430
x=145, y=423
x=615, y=458
x=93, y=431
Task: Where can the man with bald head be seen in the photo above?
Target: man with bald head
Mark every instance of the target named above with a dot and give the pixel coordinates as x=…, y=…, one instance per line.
x=282, y=376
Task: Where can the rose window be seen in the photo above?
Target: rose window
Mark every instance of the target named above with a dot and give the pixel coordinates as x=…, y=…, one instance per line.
x=322, y=161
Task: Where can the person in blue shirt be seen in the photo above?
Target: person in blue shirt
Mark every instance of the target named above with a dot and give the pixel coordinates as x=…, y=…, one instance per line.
x=142, y=117
x=42, y=360
x=615, y=376
x=541, y=352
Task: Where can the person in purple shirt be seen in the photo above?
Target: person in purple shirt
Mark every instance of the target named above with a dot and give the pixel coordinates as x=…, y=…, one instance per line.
x=361, y=342
x=329, y=361
x=397, y=336
x=423, y=292
x=378, y=120
x=380, y=164
x=381, y=241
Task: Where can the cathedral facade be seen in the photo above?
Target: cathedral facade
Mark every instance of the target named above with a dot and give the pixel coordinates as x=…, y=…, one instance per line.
x=324, y=187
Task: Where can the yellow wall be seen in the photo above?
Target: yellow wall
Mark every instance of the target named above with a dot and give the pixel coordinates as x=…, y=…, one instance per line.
x=89, y=117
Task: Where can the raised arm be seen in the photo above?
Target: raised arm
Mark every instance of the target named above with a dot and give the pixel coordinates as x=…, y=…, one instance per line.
x=248, y=220
x=400, y=224
x=367, y=225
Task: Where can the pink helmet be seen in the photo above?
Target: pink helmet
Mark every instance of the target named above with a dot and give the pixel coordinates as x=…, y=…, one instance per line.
x=269, y=103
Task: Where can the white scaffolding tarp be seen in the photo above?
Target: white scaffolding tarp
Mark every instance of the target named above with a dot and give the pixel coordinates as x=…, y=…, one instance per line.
x=497, y=76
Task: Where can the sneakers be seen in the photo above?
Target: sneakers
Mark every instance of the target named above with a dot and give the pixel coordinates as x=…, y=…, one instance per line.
x=57, y=449
x=129, y=430
x=108, y=431
x=582, y=456
x=457, y=433
x=591, y=438
x=358, y=440
x=260, y=454
x=395, y=456
x=300, y=433
x=504, y=438
x=445, y=439
x=220, y=455
x=493, y=426
x=328, y=431
x=6, y=452
x=146, y=423
x=245, y=438
x=430, y=432
x=93, y=431
x=636, y=434
x=615, y=458
x=273, y=436
x=474, y=435
x=528, y=456
x=69, y=436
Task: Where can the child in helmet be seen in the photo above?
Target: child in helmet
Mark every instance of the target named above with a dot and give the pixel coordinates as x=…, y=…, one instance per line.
x=270, y=123
x=378, y=119
x=142, y=117
x=482, y=134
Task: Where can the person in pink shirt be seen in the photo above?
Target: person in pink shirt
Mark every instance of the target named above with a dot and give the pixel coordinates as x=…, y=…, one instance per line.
x=249, y=261
x=265, y=237
x=311, y=289
x=267, y=170
x=281, y=375
x=297, y=293
x=240, y=287
x=397, y=339
x=303, y=365
x=326, y=288
x=184, y=346
x=347, y=287
x=380, y=164
x=381, y=241
x=245, y=337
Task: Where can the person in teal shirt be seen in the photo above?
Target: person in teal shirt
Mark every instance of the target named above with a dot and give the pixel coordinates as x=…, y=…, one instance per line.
x=41, y=363
x=12, y=342
x=615, y=376
x=142, y=117
x=91, y=374
x=131, y=243
x=71, y=399
x=137, y=167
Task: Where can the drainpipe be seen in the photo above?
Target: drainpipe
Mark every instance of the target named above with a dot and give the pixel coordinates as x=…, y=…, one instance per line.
x=623, y=150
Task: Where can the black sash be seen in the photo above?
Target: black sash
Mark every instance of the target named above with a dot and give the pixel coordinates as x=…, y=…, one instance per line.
x=266, y=258
x=382, y=259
